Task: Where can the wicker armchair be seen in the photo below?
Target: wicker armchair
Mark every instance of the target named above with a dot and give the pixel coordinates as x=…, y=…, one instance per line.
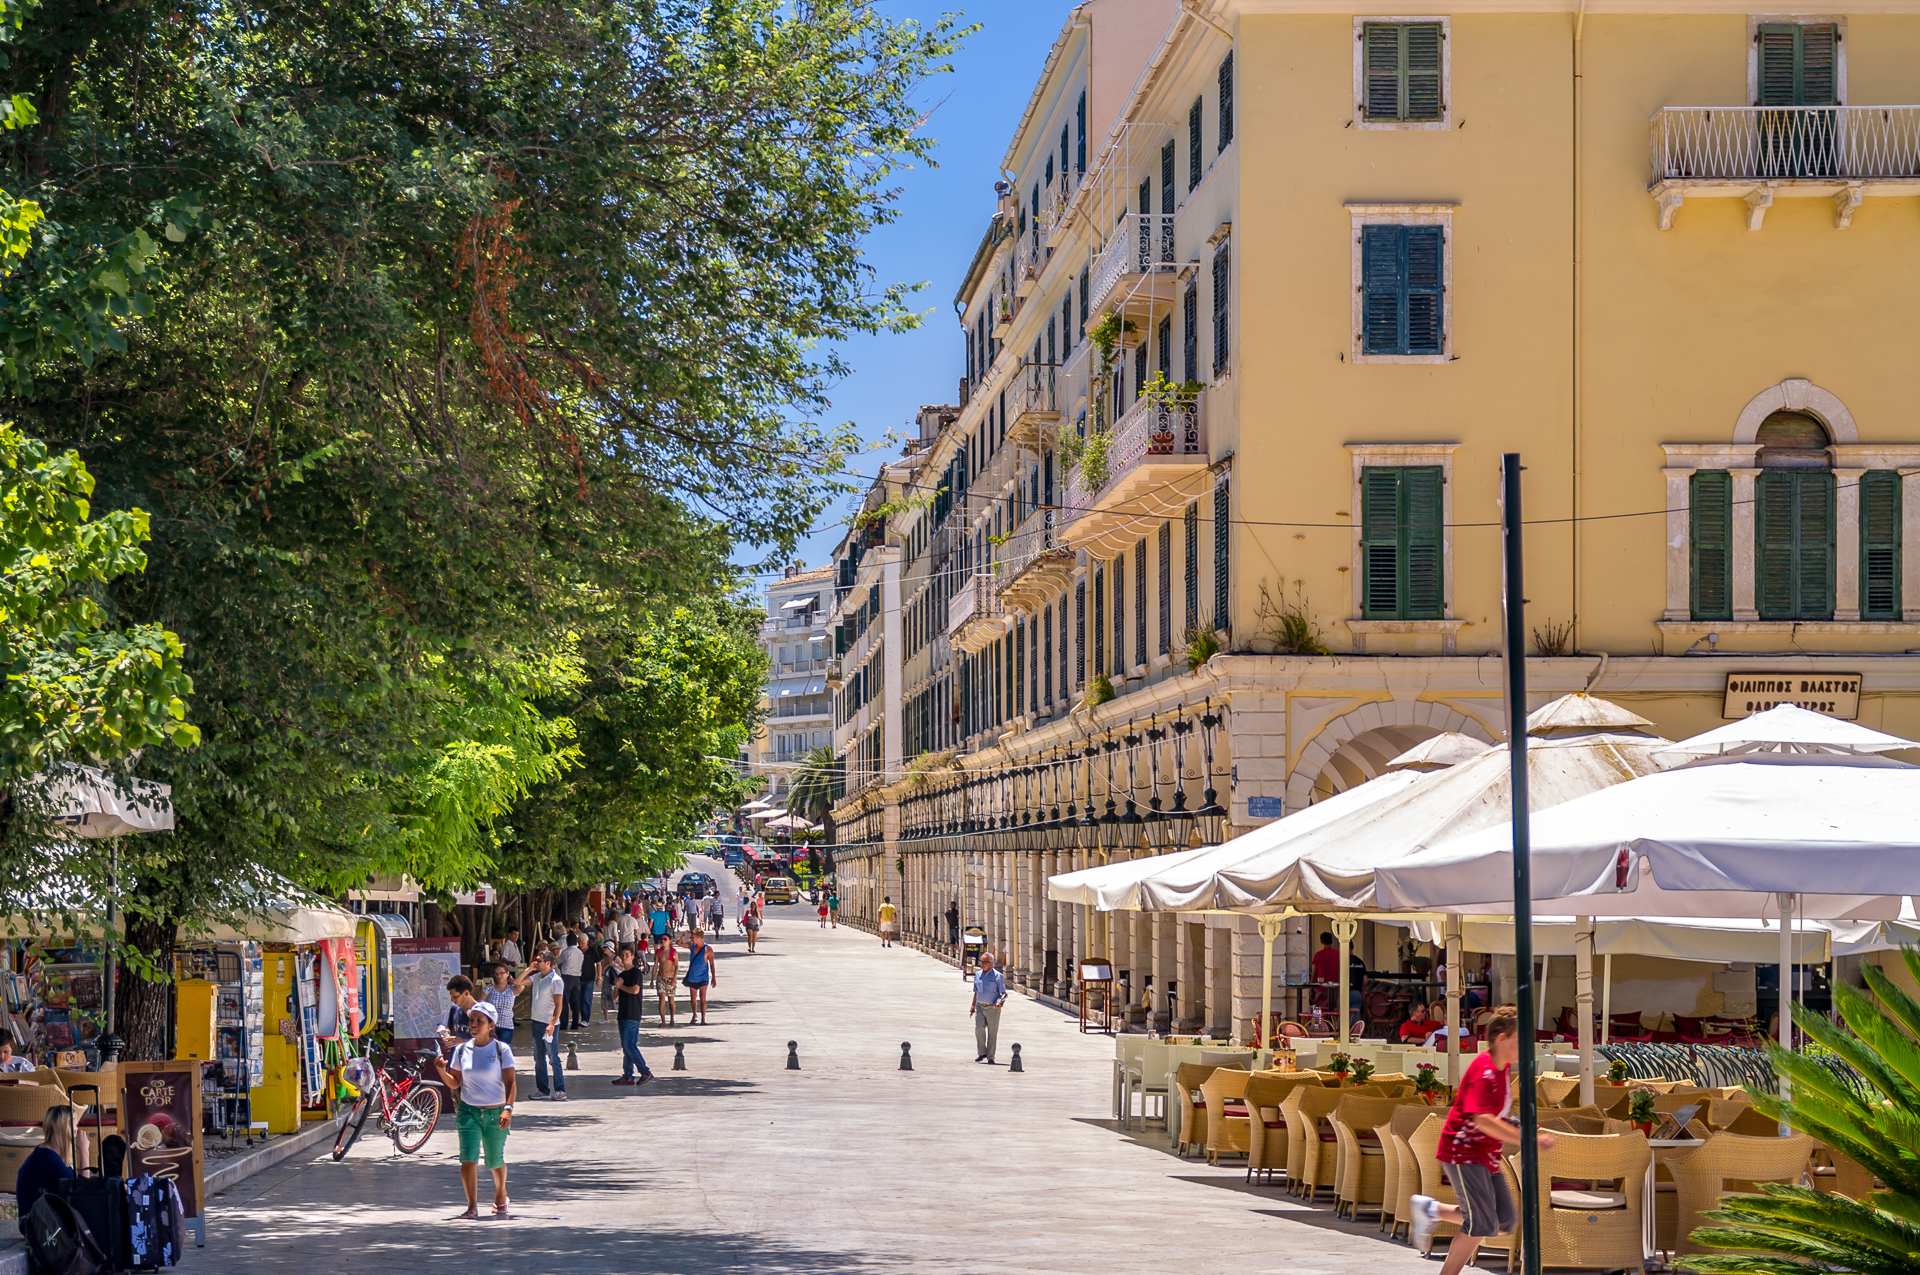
x=1360, y=1165
x=1602, y=1224
x=1838, y=1173
x=1423, y=1143
x=1225, y=1092
x=1753, y=1124
x=1319, y=1148
x=1554, y=1091
x=1731, y=1164
x=21, y=1106
x=1267, y=1126
x=1403, y=1173
x=1191, y=1106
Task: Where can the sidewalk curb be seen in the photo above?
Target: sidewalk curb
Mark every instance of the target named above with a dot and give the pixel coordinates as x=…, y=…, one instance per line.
x=229, y=1175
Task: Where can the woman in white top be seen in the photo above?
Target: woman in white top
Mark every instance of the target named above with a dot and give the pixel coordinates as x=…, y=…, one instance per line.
x=480, y=1073
x=500, y=994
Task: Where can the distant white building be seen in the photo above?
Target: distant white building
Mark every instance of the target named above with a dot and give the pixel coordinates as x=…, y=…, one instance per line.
x=797, y=637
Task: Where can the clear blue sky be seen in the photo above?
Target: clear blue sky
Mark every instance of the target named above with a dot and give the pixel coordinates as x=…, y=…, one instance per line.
x=943, y=212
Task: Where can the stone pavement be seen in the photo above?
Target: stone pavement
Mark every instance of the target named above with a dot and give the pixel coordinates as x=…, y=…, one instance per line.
x=846, y=1165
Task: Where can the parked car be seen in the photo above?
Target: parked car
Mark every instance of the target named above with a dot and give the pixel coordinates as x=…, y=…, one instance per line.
x=694, y=885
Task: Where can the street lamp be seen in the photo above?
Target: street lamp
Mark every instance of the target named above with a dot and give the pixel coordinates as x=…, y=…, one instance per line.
x=1157, y=831
x=1088, y=827
x=1180, y=819
x=1212, y=816
x=1132, y=826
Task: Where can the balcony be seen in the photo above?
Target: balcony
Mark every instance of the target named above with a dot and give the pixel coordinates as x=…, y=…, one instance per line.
x=1030, y=253
x=1033, y=405
x=1156, y=466
x=1141, y=245
x=1057, y=201
x=1759, y=153
x=1005, y=307
x=1034, y=564
x=974, y=615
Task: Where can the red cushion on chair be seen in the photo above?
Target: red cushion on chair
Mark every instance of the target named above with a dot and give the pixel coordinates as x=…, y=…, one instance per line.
x=1276, y=1124
x=1234, y=1107
x=1328, y=1137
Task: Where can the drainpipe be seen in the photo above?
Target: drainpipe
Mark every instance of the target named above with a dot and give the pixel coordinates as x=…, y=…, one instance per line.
x=1576, y=372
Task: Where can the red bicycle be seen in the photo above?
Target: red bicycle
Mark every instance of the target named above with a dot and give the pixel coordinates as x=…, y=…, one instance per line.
x=408, y=1101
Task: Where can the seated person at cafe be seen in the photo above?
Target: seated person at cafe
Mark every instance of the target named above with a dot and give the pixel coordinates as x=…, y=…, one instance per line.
x=9, y=1063
x=1418, y=1026
x=1326, y=968
x=64, y=1150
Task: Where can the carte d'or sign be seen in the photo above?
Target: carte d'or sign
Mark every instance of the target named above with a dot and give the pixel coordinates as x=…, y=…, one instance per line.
x=1835, y=694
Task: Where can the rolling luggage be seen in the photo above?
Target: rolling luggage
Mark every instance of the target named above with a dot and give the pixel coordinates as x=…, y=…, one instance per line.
x=100, y=1201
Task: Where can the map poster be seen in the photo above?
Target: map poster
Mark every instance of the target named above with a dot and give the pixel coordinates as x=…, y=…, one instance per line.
x=421, y=968
x=160, y=1111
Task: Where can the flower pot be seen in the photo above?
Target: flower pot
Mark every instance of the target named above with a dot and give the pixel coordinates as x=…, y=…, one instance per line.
x=1644, y=1126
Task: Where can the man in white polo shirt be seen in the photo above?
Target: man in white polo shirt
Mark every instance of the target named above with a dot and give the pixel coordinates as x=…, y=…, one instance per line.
x=548, y=990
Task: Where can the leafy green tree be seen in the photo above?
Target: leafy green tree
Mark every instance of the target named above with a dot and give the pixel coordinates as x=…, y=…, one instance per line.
x=1875, y=1119
x=811, y=794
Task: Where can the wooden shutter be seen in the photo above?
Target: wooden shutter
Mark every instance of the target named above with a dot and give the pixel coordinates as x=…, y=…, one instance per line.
x=1421, y=532
x=1222, y=564
x=1220, y=309
x=1193, y=144
x=1382, y=256
x=1192, y=547
x=1140, y=601
x=1166, y=177
x=1420, y=44
x=1793, y=534
x=1226, y=101
x=1425, y=287
x=1380, y=543
x=1799, y=64
x=1880, y=545
x=1190, y=333
x=1166, y=588
x=1711, y=508
x=1381, y=49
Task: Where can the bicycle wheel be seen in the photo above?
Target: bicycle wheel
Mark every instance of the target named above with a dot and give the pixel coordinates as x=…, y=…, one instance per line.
x=414, y=1117
x=351, y=1126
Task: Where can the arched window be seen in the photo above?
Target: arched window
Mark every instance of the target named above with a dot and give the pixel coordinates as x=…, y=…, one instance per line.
x=1793, y=520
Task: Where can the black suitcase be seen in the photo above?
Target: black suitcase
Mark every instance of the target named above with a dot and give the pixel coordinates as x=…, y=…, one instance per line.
x=101, y=1201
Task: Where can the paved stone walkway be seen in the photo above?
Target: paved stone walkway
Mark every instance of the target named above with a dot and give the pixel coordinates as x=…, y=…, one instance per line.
x=846, y=1165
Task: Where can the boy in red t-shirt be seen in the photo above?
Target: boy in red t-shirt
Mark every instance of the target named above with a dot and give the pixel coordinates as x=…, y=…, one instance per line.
x=1478, y=1128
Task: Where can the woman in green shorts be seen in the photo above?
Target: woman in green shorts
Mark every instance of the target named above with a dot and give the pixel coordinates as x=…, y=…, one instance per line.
x=480, y=1073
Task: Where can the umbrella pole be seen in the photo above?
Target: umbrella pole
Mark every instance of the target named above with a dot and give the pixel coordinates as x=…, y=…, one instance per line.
x=1269, y=931
x=1583, y=1002
x=1540, y=1015
x=1344, y=928
x=1785, y=1016
x=1455, y=977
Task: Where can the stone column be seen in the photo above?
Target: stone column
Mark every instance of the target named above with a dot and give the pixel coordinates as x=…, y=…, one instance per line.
x=1846, y=544
x=1909, y=544
x=1220, y=945
x=1679, y=544
x=1744, y=484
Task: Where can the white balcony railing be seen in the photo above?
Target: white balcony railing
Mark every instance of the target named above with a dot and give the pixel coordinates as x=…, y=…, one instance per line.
x=1030, y=255
x=1032, y=391
x=1150, y=430
x=1764, y=143
x=1056, y=200
x=973, y=613
x=963, y=605
x=1036, y=538
x=1756, y=152
x=1139, y=242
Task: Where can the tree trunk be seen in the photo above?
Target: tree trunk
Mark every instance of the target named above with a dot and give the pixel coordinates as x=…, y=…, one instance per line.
x=140, y=1005
x=433, y=920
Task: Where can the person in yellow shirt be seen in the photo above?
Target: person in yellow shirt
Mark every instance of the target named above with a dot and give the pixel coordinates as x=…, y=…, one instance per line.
x=888, y=914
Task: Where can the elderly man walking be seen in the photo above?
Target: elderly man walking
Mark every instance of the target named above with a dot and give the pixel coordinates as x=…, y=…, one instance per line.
x=989, y=994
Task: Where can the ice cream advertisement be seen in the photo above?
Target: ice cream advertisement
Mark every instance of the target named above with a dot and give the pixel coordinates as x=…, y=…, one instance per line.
x=160, y=1111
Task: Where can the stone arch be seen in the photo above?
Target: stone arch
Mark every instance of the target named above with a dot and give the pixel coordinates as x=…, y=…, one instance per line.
x=1796, y=395
x=1357, y=745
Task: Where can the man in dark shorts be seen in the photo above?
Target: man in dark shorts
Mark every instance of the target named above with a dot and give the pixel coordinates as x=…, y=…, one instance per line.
x=1478, y=1128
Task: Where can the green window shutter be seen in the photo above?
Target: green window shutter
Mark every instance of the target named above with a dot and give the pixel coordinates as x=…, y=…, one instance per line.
x=1382, y=266
x=1402, y=278
x=1880, y=545
x=1402, y=70
x=1402, y=544
x=1711, y=508
x=1424, y=288
x=1421, y=530
x=1798, y=64
x=1793, y=536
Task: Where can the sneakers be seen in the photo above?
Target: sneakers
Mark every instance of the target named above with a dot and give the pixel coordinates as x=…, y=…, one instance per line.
x=646, y=1077
x=624, y=1080
x=1426, y=1216
x=561, y=1096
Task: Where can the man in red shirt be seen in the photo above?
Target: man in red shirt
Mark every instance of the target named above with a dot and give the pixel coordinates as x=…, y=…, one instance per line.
x=1478, y=1129
x=1326, y=969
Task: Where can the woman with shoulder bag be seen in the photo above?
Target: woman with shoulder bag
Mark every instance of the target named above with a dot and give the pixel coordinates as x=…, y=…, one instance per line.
x=481, y=1075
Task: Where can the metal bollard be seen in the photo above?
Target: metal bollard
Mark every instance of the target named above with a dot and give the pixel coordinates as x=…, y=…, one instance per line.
x=1016, y=1060
x=906, y=1056
x=679, y=1056
x=793, y=1055
x=573, y=1057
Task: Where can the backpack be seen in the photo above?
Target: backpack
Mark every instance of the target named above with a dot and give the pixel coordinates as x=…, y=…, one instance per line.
x=58, y=1242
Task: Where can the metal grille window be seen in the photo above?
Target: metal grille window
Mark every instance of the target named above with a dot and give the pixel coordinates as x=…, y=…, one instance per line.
x=1099, y=619
x=1192, y=547
x=1140, y=602
x=1402, y=71
x=1402, y=272
x=1193, y=144
x=1190, y=333
x=1226, y=101
x=1880, y=545
x=1222, y=546
x=1220, y=264
x=1401, y=543
x=1166, y=587
x=1080, y=634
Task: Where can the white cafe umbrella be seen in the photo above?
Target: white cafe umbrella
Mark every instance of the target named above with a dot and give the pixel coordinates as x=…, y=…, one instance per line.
x=90, y=804
x=793, y=823
x=1802, y=817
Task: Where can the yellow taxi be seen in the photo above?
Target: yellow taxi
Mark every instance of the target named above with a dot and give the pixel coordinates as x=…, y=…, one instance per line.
x=780, y=890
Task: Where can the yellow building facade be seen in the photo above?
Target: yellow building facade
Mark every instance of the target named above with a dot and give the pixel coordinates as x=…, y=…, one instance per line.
x=1663, y=251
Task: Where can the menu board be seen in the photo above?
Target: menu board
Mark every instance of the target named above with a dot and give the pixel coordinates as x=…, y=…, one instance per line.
x=421, y=968
x=160, y=1111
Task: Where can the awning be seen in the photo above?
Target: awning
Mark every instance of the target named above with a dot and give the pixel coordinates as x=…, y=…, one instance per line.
x=93, y=805
x=1719, y=942
x=796, y=603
